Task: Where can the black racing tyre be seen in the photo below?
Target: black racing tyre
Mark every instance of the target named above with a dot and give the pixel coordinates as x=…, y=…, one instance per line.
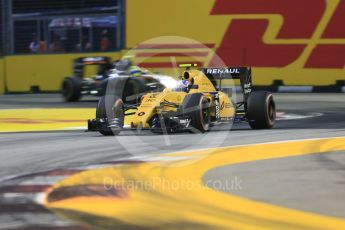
x=111, y=108
x=71, y=89
x=197, y=107
x=261, y=110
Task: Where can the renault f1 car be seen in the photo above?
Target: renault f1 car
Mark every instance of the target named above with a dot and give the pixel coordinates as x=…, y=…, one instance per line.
x=199, y=106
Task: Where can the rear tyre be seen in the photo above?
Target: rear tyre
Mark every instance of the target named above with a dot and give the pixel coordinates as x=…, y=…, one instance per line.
x=111, y=108
x=71, y=89
x=197, y=107
x=261, y=110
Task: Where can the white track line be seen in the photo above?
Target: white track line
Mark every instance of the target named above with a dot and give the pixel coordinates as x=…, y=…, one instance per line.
x=42, y=180
x=295, y=89
x=292, y=116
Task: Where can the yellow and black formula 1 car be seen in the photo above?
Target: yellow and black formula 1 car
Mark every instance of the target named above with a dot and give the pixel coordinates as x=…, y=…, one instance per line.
x=197, y=104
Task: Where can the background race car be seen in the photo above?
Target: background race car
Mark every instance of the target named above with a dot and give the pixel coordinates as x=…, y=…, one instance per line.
x=75, y=86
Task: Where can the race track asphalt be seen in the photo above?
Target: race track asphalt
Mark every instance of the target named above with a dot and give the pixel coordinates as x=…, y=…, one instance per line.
x=35, y=151
x=24, y=153
x=313, y=183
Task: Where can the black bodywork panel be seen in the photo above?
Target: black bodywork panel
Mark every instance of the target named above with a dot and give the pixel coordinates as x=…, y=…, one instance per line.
x=244, y=74
x=104, y=65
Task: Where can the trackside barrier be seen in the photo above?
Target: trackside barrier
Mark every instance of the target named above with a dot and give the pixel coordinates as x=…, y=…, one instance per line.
x=44, y=72
x=2, y=76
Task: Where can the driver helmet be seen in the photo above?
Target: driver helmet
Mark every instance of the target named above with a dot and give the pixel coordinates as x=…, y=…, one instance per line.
x=123, y=65
x=184, y=84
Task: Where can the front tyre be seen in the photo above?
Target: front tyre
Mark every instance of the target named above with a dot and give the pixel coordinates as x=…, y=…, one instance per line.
x=261, y=110
x=111, y=109
x=197, y=107
x=71, y=89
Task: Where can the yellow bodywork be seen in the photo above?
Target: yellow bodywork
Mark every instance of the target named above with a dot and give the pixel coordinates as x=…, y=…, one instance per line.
x=151, y=103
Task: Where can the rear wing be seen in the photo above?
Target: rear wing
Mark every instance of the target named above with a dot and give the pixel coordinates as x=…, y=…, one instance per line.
x=104, y=64
x=244, y=74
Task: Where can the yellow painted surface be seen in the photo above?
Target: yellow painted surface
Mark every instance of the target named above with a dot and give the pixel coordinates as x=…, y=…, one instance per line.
x=189, y=19
x=192, y=19
x=2, y=76
x=45, y=71
x=170, y=194
x=31, y=120
x=21, y=120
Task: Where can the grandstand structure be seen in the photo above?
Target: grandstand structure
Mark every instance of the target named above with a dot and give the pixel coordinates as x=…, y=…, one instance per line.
x=65, y=26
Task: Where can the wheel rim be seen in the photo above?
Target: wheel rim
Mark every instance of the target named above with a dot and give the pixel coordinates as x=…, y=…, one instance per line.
x=204, y=114
x=271, y=111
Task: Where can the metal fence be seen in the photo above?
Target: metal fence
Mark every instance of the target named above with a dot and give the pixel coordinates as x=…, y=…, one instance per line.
x=62, y=26
x=1, y=28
